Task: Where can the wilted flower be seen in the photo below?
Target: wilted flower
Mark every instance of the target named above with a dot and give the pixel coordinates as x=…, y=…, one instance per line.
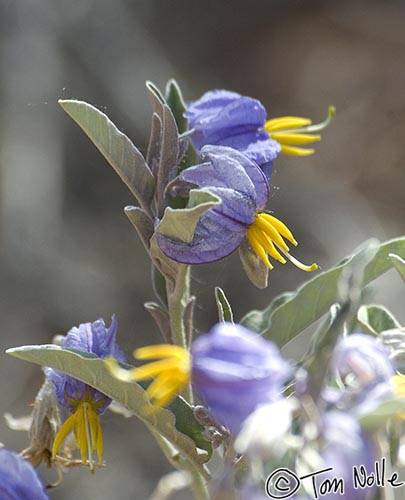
x=244, y=192
x=83, y=401
x=18, y=479
x=222, y=365
x=226, y=118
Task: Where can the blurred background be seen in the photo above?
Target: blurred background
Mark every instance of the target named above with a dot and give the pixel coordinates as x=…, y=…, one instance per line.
x=68, y=253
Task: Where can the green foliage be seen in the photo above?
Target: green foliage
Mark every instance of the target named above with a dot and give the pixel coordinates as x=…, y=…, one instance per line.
x=115, y=146
x=224, y=308
x=376, y=319
x=283, y=322
x=177, y=424
x=180, y=223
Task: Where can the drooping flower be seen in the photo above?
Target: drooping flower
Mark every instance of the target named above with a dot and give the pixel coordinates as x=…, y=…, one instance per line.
x=226, y=118
x=228, y=361
x=83, y=401
x=244, y=191
x=18, y=479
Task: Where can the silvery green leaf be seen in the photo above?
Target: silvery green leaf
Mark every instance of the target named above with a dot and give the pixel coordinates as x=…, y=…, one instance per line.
x=159, y=286
x=168, y=160
x=176, y=424
x=376, y=319
x=142, y=223
x=253, y=266
x=155, y=97
x=180, y=223
x=399, y=264
x=224, y=308
x=162, y=320
x=116, y=147
x=155, y=139
x=175, y=102
x=378, y=416
x=394, y=341
x=313, y=299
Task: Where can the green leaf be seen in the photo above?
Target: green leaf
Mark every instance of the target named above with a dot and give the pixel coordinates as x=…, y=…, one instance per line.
x=224, y=308
x=313, y=299
x=399, y=264
x=116, y=147
x=180, y=224
x=178, y=425
x=169, y=156
x=142, y=223
x=376, y=319
x=174, y=99
x=378, y=416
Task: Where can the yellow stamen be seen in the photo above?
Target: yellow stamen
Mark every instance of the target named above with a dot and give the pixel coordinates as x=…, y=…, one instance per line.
x=171, y=373
x=265, y=234
x=286, y=122
x=295, y=139
x=293, y=131
x=87, y=430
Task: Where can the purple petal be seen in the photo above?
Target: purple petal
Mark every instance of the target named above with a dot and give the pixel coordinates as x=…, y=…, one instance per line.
x=215, y=237
x=18, y=479
x=254, y=172
x=230, y=361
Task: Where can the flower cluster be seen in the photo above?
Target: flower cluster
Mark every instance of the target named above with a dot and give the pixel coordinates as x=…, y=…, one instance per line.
x=244, y=193
x=227, y=361
x=83, y=401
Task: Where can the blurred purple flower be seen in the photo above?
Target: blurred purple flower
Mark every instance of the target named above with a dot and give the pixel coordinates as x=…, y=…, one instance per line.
x=244, y=192
x=345, y=446
x=363, y=365
x=226, y=118
x=234, y=371
x=18, y=479
x=83, y=401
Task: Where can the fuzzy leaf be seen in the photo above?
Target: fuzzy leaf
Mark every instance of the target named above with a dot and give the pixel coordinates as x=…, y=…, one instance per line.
x=379, y=416
x=376, y=319
x=116, y=147
x=313, y=299
x=180, y=224
x=399, y=264
x=169, y=154
x=178, y=425
x=142, y=223
x=224, y=308
x=175, y=102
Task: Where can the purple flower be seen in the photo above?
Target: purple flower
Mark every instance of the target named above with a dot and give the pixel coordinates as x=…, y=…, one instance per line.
x=18, y=479
x=226, y=118
x=83, y=401
x=363, y=365
x=345, y=447
x=244, y=191
x=234, y=371
x=93, y=338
